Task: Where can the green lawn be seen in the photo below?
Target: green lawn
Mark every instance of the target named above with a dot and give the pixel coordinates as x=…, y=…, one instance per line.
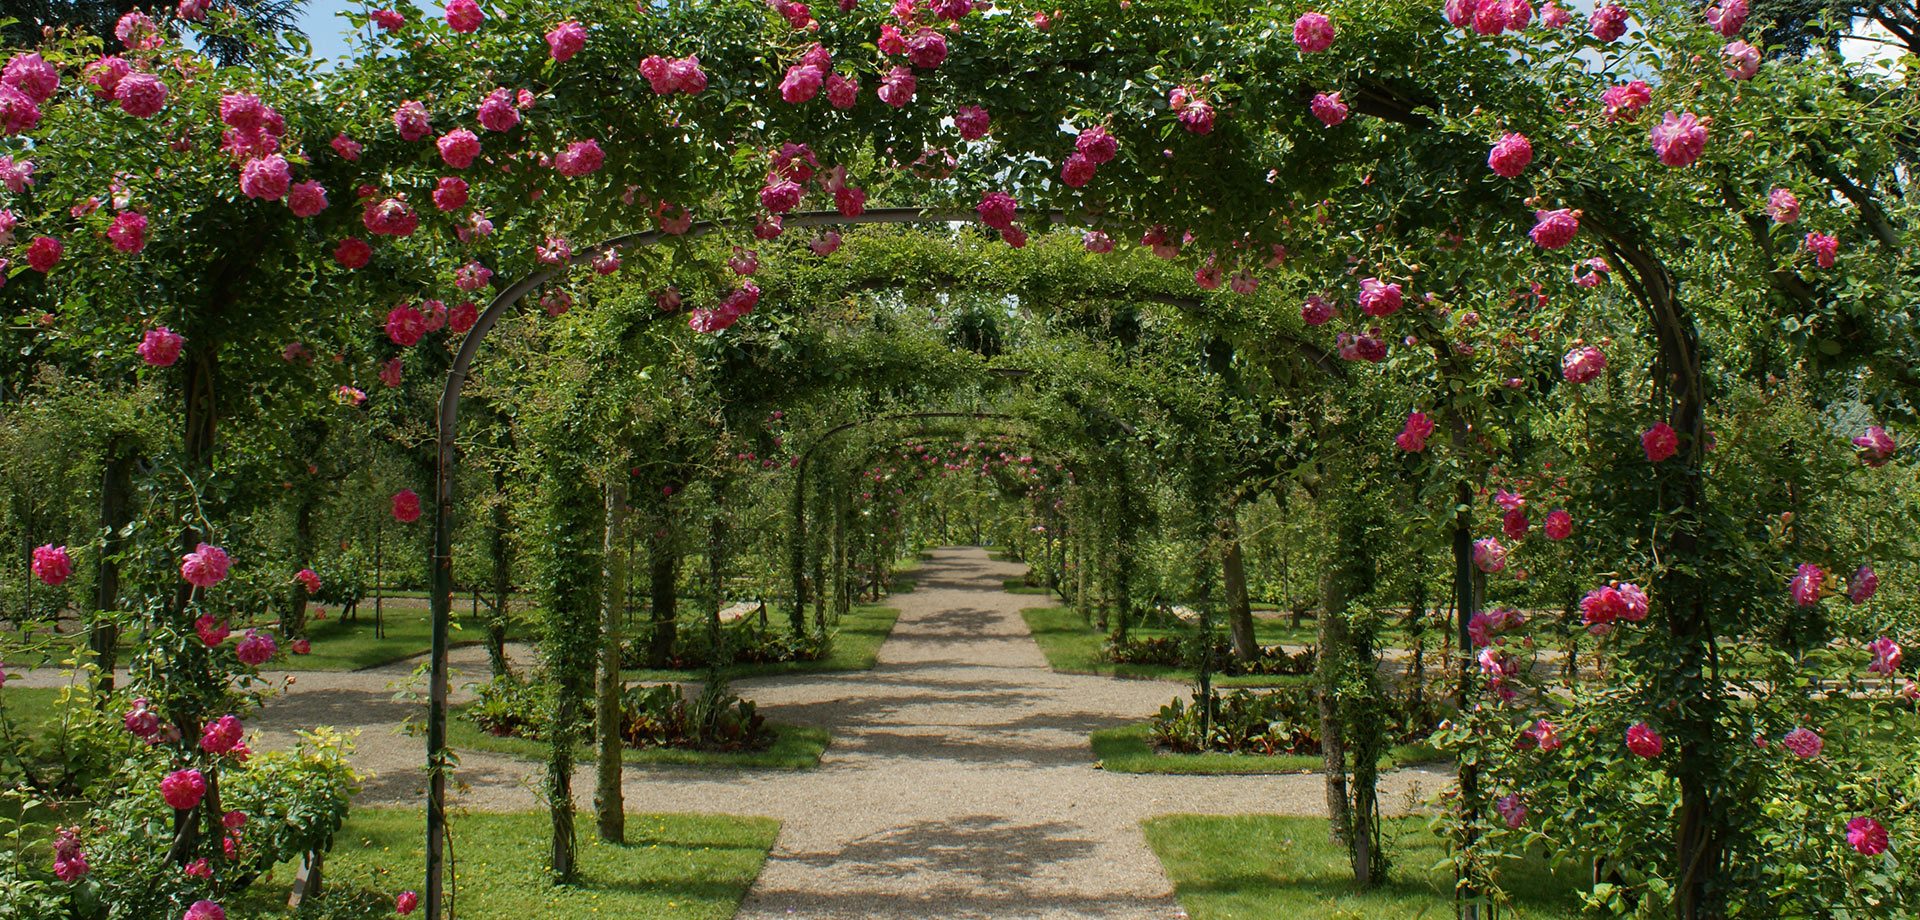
x=1127, y=750
x=1261, y=867
x=1073, y=647
x=856, y=645
x=342, y=646
x=1020, y=586
x=673, y=867
x=795, y=747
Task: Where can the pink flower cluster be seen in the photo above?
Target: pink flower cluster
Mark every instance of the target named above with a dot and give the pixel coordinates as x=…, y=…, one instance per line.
x=1510, y=157
x=1875, y=446
x=565, y=40
x=183, y=789
x=1626, y=100
x=736, y=304
x=1643, y=741
x=1313, y=32
x=222, y=735
x=1679, y=139
x=69, y=863
x=1660, y=442
x=1886, y=656
x=1583, y=364
x=579, y=159
x=1379, y=298
x=1484, y=624
x=1329, y=108
x=1195, y=114
x=1365, y=346
x=1867, y=836
x=1492, y=17
x=205, y=567
x=52, y=565
x=406, y=506
x=1489, y=555
x=674, y=75
x=1317, y=311
x=1093, y=148
x=1608, y=604
x=1554, y=229
x=972, y=121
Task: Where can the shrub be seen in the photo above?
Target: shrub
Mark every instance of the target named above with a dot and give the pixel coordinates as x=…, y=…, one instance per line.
x=1180, y=651
x=1282, y=721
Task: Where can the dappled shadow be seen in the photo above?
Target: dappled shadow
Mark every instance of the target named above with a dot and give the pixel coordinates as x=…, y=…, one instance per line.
x=302, y=708
x=985, y=849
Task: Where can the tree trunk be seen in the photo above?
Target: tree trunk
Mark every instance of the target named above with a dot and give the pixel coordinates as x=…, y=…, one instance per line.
x=116, y=494
x=608, y=802
x=499, y=549
x=1333, y=733
x=663, y=590
x=1234, y=583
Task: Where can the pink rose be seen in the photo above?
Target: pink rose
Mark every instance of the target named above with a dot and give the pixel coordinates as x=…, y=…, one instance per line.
x=1553, y=17
x=1512, y=810
x=30, y=73
x=1583, y=364
x=801, y=84
x=412, y=121
x=346, y=147
x=18, y=113
x=1803, y=743
x=205, y=910
x=52, y=565
x=472, y=276
x=1783, y=206
x=1626, y=100
x=1679, y=139
x=137, y=31
x=459, y=148
x=352, y=253
x=450, y=194
x=1378, y=298
x=1863, y=585
x=1739, y=60
x=1488, y=555
x=579, y=159
x=307, y=198
x=1824, y=248
x=182, y=790
x=1329, y=109
x=842, y=91
x=927, y=49
x=898, y=86
x=1096, y=145
x=222, y=734
x=406, y=506
x=43, y=253
x=1554, y=229
x=205, y=567
x=1608, y=23
x=308, y=579
x=1886, y=656
x=997, y=210
x=388, y=20
x=1096, y=242
x=781, y=195
x=128, y=233
x=462, y=317
x=1077, y=171
x=160, y=347
x=1558, y=525
x=406, y=903
x=497, y=111
x=1807, y=584
x=1643, y=741
x=1515, y=524
x=973, y=122
x=141, y=95
x=405, y=326
x=1727, y=17
x=565, y=40
x=1313, y=32
x=464, y=16
x=1546, y=736
x=1660, y=442
x=1316, y=310
x=825, y=244
x=1509, y=157
x=1867, y=836
x=267, y=178
x=254, y=650
x=1243, y=282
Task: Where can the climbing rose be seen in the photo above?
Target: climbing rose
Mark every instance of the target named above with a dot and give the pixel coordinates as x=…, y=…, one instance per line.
x=781, y=195
x=1609, y=22
x=30, y=73
x=450, y=194
x=141, y=95
x=464, y=16
x=1096, y=242
x=972, y=121
x=1554, y=229
x=1488, y=555
x=353, y=252
x=1601, y=607
x=579, y=159
x=388, y=20
x=1867, y=836
x=1783, y=206
x=346, y=147
x=459, y=147
x=128, y=233
x=205, y=910
x=1558, y=524
x=1546, y=736
x=1727, y=17
x=1740, y=61
x=927, y=49
x=1660, y=442
x=52, y=565
x=1197, y=117
x=1886, y=656
x=255, y=649
x=406, y=506
x=1316, y=310
x=462, y=317
x=472, y=276
x=1096, y=145
x=69, y=864
x=182, y=790
x=825, y=244
x=1509, y=157
x=1553, y=17
x=1243, y=282
x=160, y=347
x=801, y=84
x=1378, y=298
x=1626, y=99
x=1679, y=139
x=104, y=75
x=898, y=86
x=1208, y=276
x=1583, y=364
x=406, y=903
x=1313, y=32
x=1863, y=585
x=307, y=198
x=1824, y=248
x=997, y=210
x=1077, y=171
x=1875, y=446
x=412, y=120
x=308, y=579
x=1643, y=741
x=1328, y=108
x=497, y=111
x=1633, y=602
x=266, y=178
x=1805, y=586
x=18, y=114
x=1803, y=743
x=566, y=40
x=842, y=91
x=1515, y=524
x=222, y=734
x=1512, y=810
x=205, y=567
x=405, y=326
x=392, y=371
x=44, y=253
x=212, y=631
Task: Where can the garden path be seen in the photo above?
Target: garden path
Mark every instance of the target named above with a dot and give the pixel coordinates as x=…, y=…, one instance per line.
x=959, y=784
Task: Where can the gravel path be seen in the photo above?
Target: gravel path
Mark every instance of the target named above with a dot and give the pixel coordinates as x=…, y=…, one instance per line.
x=959, y=783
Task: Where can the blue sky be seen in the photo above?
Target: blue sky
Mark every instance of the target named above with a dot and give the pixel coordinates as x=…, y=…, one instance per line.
x=320, y=20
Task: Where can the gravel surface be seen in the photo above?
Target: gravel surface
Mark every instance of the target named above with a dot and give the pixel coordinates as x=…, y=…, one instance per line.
x=959, y=784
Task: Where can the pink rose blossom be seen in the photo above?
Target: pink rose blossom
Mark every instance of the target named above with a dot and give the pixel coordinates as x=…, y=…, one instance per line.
x=1209, y=276
x=307, y=199
x=1739, y=60
x=1886, y=656
x=1378, y=298
x=255, y=649
x=30, y=73
x=472, y=276
x=391, y=372
x=1515, y=524
x=1313, y=32
x=205, y=910
x=1316, y=310
x=1243, y=282
x=405, y=325
x=1660, y=442
x=1077, y=171
x=1643, y=741
x=222, y=734
x=205, y=567
x=347, y=148
x=825, y=244
x=1096, y=145
x=1198, y=117
x=459, y=148
x=160, y=347
x=997, y=210
x=412, y=121
x=1804, y=744
x=1554, y=229
x=1558, y=524
x=1679, y=139
x=1783, y=206
x=1824, y=248
x=43, y=253
x=52, y=565
x=388, y=20
x=462, y=317
x=579, y=159
x=781, y=195
x=842, y=91
x=406, y=506
x=744, y=262
x=464, y=16
x=266, y=178
x=1512, y=810
x=1488, y=555
x=141, y=95
x=1329, y=109
x=353, y=253
x=406, y=903
x=211, y=630
x=498, y=112
x=927, y=49
x=898, y=86
x=104, y=75
x=1807, y=584
x=1096, y=242
x=308, y=579
x=1728, y=16
x=973, y=122
x=1867, y=836
x=1583, y=364
x=1608, y=23
x=554, y=251
x=18, y=113
x=801, y=84
x=1553, y=17
x=1509, y=157
x=1626, y=100
x=565, y=40
x=1875, y=446
x=137, y=31
x=1863, y=585
x=450, y=194
x=128, y=232
x=183, y=789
